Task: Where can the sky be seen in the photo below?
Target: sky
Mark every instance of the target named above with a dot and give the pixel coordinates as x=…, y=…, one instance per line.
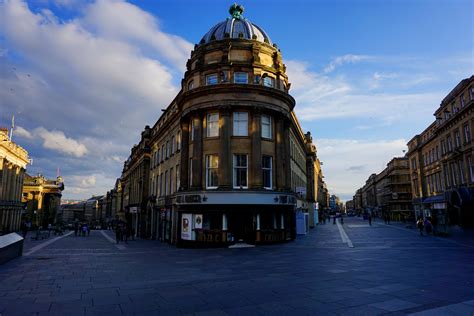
x=83, y=78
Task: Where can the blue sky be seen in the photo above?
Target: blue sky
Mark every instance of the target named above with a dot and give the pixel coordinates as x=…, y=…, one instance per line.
x=84, y=77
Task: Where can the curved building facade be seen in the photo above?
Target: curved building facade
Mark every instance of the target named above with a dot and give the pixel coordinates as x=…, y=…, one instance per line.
x=227, y=161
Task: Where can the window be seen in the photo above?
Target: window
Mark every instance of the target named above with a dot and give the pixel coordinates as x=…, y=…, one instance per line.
x=457, y=138
x=471, y=168
x=178, y=180
x=192, y=130
x=450, y=143
x=162, y=179
x=171, y=181
x=266, y=126
x=166, y=183
x=157, y=187
x=211, y=79
x=267, y=172
x=471, y=93
x=212, y=162
x=172, y=145
x=413, y=163
x=268, y=82
x=467, y=133
x=461, y=100
x=240, y=171
x=191, y=85
x=191, y=172
x=443, y=147
x=241, y=77
x=178, y=141
x=212, y=129
x=241, y=123
x=167, y=149
x=461, y=171
x=163, y=152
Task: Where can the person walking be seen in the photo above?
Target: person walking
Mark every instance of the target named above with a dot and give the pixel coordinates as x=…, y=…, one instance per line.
x=76, y=228
x=118, y=233
x=370, y=219
x=420, y=225
x=334, y=220
x=49, y=229
x=88, y=227
x=428, y=226
x=342, y=220
x=24, y=229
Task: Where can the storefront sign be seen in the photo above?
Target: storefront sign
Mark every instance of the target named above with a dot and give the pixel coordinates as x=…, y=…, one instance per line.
x=198, y=221
x=186, y=226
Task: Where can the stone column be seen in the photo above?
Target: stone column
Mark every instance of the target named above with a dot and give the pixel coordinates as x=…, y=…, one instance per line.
x=225, y=154
x=256, y=181
x=197, y=153
x=184, y=167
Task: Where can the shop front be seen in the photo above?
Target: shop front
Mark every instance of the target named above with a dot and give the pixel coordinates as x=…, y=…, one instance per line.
x=203, y=223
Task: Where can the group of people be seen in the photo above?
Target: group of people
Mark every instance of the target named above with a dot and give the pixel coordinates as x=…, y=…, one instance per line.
x=428, y=225
x=123, y=232
x=82, y=229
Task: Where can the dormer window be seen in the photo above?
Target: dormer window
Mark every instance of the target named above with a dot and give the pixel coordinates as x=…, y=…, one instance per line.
x=211, y=79
x=241, y=77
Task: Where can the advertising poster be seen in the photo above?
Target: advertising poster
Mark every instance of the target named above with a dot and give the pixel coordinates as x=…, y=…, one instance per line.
x=198, y=221
x=186, y=226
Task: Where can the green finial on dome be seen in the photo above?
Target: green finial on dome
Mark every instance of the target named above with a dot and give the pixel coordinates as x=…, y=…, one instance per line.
x=236, y=11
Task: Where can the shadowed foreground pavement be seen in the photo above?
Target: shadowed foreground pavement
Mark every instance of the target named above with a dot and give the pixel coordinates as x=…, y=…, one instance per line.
x=390, y=270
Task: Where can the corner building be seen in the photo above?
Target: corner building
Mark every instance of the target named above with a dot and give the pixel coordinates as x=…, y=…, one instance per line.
x=228, y=158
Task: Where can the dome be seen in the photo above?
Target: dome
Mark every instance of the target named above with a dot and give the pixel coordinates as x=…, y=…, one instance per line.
x=236, y=27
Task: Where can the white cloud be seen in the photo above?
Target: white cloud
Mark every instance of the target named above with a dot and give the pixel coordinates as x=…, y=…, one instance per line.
x=88, y=85
x=21, y=132
x=347, y=163
x=56, y=140
x=345, y=59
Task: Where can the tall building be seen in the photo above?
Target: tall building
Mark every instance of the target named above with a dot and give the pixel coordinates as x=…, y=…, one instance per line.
x=442, y=161
x=227, y=160
x=13, y=161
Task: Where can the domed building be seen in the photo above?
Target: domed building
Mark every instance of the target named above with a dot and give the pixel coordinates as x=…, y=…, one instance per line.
x=227, y=161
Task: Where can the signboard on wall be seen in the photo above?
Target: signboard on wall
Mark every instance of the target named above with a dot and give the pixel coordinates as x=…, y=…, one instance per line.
x=198, y=221
x=186, y=226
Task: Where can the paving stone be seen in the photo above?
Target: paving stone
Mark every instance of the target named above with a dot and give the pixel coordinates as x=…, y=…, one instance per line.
x=394, y=305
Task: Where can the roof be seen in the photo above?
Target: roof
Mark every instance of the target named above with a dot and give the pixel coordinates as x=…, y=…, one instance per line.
x=236, y=27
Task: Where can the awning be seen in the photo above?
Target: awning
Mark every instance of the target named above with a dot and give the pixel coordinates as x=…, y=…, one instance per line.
x=434, y=199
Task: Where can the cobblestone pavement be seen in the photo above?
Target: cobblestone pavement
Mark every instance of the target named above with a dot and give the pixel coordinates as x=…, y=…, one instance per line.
x=388, y=270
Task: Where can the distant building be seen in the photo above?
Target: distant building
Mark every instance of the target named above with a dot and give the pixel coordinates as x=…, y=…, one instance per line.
x=13, y=161
x=42, y=198
x=442, y=161
x=74, y=211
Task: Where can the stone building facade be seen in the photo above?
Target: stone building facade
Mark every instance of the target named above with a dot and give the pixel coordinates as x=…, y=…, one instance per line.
x=442, y=161
x=227, y=160
x=13, y=161
x=42, y=199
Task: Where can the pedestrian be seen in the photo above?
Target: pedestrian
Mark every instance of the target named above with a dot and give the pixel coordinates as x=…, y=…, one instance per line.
x=388, y=219
x=125, y=233
x=24, y=229
x=118, y=233
x=342, y=220
x=49, y=229
x=370, y=219
x=420, y=225
x=427, y=225
x=76, y=228
x=434, y=223
x=84, y=229
x=334, y=220
x=88, y=230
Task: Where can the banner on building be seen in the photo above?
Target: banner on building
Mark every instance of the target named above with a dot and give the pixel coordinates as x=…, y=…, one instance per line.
x=198, y=221
x=186, y=226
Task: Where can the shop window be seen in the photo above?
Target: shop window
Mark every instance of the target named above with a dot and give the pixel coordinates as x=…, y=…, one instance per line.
x=240, y=175
x=267, y=172
x=240, y=123
x=212, y=164
x=212, y=128
x=266, y=126
x=241, y=77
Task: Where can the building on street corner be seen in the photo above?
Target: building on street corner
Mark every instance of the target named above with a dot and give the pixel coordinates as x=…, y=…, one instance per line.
x=227, y=161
